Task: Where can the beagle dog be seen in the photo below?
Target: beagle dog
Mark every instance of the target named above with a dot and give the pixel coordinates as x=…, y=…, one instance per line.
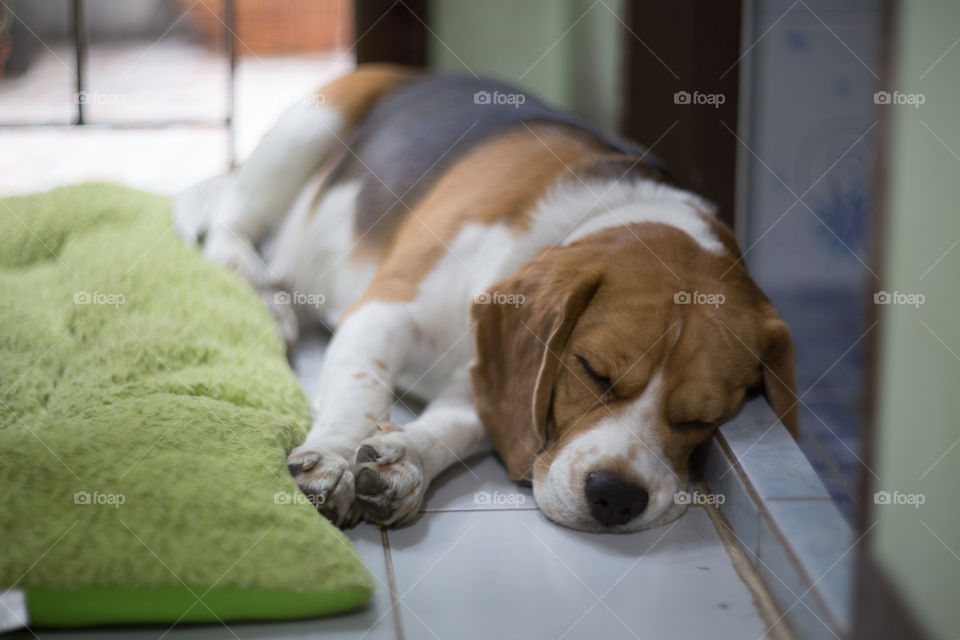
x=543, y=285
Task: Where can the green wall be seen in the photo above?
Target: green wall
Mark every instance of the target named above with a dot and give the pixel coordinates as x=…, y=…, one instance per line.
x=567, y=52
x=919, y=389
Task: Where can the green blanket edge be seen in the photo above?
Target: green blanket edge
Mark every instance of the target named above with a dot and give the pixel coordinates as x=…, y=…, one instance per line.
x=143, y=605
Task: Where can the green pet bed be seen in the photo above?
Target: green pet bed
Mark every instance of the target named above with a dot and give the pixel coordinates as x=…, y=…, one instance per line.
x=146, y=408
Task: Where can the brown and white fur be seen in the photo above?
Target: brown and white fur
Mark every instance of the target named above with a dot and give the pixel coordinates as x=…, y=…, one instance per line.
x=527, y=289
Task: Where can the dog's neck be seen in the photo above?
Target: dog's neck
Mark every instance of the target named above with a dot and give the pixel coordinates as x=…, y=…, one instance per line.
x=580, y=208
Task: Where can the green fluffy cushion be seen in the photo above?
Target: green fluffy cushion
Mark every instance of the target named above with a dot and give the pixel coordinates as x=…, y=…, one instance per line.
x=146, y=408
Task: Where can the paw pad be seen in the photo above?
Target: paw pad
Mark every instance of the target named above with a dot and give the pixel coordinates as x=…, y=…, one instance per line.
x=370, y=482
x=367, y=453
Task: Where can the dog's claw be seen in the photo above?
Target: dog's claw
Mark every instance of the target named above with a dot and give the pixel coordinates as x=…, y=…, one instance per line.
x=304, y=463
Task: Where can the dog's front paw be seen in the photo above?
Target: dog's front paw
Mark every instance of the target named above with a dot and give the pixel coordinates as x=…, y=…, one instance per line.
x=390, y=480
x=326, y=478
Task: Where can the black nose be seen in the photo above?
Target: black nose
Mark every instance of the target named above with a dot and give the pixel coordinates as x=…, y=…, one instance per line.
x=613, y=501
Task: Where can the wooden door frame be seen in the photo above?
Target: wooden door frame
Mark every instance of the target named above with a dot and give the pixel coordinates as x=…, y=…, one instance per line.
x=879, y=608
x=686, y=46
x=391, y=31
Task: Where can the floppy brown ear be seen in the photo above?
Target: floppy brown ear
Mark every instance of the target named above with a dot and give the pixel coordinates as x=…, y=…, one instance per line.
x=522, y=324
x=779, y=381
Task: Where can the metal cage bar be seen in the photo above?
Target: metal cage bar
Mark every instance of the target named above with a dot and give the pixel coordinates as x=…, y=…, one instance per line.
x=81, y=45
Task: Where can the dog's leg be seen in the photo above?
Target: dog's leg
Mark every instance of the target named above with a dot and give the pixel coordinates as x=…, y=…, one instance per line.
x=259, y=193
x=396, y=465
x=356, y=391
x=253, y=200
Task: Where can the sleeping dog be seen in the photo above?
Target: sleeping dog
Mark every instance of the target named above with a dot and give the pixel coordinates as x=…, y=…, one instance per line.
x=543, y=285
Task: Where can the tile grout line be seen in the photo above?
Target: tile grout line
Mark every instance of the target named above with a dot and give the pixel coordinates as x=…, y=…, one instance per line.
x=392, y=583
x=764, y=516
x=504, y=509
x=770, y=611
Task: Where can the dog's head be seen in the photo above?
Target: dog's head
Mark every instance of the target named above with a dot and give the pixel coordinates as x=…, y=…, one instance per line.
x=601, y=365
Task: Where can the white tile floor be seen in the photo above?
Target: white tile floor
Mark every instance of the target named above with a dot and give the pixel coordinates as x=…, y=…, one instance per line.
x=511, y=573
x=481, y=562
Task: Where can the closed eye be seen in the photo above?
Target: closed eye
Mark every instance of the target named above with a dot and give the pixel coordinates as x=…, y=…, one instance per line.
x=603, y=382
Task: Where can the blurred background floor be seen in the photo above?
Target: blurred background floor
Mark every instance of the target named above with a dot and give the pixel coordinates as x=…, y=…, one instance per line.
x=132, y=82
